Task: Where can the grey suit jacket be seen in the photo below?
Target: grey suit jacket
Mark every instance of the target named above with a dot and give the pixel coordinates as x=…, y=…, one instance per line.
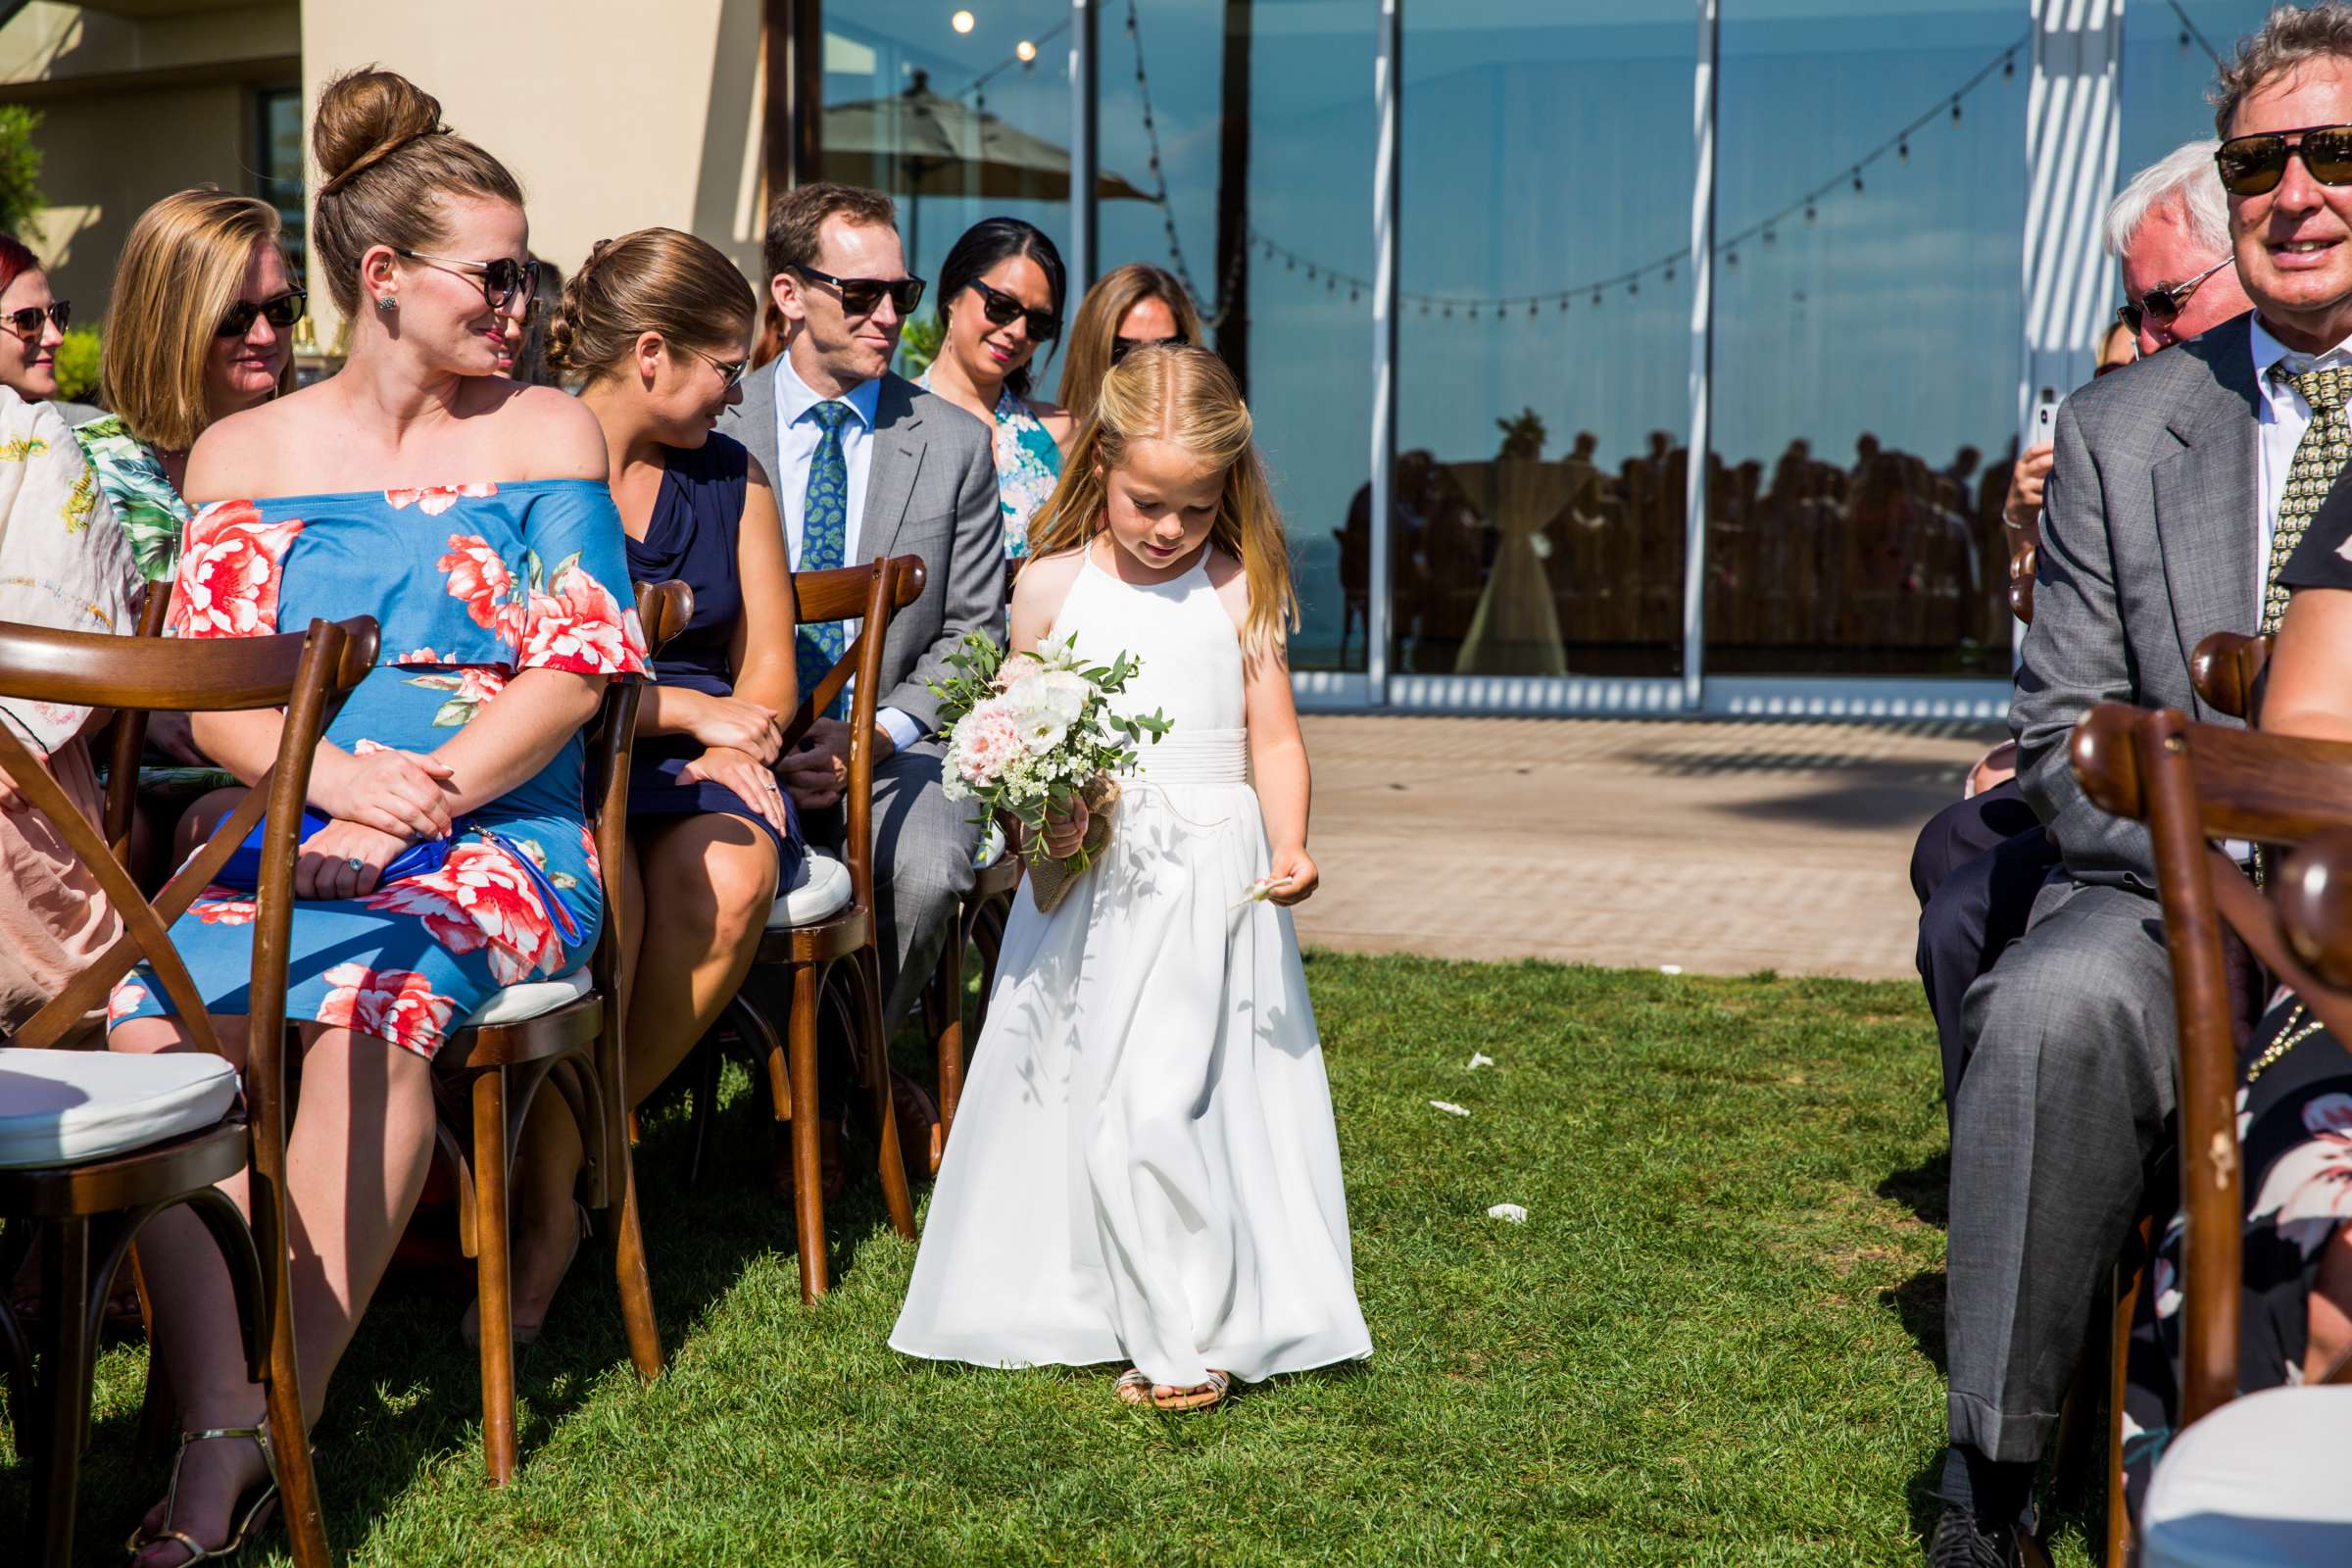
x=930, y=491
x=2150, y=538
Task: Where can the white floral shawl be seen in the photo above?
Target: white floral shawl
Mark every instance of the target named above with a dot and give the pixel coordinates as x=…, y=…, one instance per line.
x=65, y=562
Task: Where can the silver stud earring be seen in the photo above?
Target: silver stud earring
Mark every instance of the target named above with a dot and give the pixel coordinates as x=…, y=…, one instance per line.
x=387, y=303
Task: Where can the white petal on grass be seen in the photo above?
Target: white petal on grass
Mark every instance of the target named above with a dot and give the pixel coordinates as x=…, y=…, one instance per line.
x=1449, y=1107
x=1510, y=1211
x=1477, y=1060
x=1670, y=968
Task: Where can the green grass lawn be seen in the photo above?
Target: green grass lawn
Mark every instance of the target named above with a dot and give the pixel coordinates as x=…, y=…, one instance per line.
x=1716, y=1340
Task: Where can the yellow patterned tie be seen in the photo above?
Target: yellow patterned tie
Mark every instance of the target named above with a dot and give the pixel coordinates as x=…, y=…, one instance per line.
x=2318, y=458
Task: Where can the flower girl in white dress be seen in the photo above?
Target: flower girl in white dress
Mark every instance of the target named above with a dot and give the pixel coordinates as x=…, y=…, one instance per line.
x=1144, y=1166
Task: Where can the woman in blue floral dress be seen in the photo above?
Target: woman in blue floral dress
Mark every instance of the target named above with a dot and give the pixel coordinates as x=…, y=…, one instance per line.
x=470, y=515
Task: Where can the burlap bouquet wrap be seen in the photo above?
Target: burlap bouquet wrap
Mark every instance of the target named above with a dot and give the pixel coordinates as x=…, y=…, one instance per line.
x=1050, y=879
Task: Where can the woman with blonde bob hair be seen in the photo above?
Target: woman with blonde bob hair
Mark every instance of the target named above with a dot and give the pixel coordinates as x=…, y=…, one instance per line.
x=1128, y=308
x=200, y=326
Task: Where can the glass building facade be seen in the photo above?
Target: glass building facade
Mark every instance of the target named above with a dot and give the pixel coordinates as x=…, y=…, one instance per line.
x=1521, y=288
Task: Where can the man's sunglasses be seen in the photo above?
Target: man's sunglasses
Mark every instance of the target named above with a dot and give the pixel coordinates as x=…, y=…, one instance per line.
x=281, y=311
x=1121, y=347
x=729, y=372
x=502, y=278
x=2249, y=165
x=2162, y=305
x=27, y=322
x=1003, y=309
x=863, y=296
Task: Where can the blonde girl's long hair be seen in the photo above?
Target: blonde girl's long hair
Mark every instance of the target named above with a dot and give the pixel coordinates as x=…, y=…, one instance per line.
x=1184, y=395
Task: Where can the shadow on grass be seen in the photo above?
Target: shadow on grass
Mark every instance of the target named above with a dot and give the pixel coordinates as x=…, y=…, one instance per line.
x=1919, y=1304
x=1925, y=1189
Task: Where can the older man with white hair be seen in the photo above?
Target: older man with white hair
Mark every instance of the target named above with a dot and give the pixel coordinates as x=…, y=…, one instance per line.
x=2169, y=514
x=1979, y=863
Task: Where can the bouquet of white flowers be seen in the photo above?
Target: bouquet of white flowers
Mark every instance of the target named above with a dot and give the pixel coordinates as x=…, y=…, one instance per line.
x=1035, y=731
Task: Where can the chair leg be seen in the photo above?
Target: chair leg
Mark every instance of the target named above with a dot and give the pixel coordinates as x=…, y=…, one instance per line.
x=64, y=1402
x=893, y=1161
x=289, y=1435
x=492, y=1165
x=158, y=1419
x=636, y=1284
x=807, y=1183
x=2126, y=1287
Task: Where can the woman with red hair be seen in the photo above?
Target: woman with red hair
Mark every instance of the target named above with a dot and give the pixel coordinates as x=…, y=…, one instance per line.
x=33, y=323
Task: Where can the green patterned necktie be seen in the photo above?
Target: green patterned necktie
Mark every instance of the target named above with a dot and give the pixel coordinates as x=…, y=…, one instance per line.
x=2318, y=458
x=825, y=545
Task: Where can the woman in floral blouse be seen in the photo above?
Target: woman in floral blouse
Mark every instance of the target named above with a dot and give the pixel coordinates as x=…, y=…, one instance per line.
x=470, y=515
x=200, y=326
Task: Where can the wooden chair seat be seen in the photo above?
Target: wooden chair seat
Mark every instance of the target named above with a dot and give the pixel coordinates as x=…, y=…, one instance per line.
x=567, y=1033
x=830, y=965
x=143, y=1155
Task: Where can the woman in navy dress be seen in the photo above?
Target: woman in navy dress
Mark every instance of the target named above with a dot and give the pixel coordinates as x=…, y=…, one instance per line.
x=470, y=516
x=656, y=327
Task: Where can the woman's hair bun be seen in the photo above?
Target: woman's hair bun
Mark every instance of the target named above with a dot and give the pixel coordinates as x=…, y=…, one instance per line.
x=364, y=117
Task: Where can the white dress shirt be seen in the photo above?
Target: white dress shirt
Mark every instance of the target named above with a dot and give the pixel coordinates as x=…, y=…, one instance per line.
x=2285, y=416
x=797, y=437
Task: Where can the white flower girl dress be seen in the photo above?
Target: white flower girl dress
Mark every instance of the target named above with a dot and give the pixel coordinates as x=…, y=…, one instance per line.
x=1144, y=1165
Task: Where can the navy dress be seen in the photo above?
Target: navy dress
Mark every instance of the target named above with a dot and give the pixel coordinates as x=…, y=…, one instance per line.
x=691, y=539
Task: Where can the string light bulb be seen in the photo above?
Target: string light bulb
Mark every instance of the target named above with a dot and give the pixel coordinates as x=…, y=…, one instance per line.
x=1025, y=51
x=1857, y=180
x=961, y=21
x=1955, y=111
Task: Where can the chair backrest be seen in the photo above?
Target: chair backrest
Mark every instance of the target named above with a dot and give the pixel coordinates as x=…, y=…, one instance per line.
x=2192, y=784
x=871, y=594
x=2226, y=671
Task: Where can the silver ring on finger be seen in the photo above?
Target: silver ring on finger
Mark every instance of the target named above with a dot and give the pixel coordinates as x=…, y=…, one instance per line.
x=356, y=865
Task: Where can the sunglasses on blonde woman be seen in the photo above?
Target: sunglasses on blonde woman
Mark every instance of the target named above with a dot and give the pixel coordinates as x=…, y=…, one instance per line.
x=281, y=311
x=1121, y=347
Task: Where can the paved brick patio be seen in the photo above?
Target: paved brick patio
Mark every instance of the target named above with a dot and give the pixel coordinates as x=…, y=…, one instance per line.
x=1721, y=846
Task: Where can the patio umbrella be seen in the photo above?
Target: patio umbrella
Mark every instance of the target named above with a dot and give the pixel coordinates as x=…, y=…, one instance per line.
x=916, y=143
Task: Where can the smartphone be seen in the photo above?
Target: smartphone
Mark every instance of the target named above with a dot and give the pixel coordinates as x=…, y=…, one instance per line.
x=2045, y=418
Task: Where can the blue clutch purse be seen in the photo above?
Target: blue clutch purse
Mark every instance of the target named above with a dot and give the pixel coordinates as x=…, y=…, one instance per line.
x=242, y=870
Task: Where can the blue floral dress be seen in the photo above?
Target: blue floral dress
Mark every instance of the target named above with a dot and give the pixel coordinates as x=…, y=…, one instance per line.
x=1028, y=466
x=469, y=585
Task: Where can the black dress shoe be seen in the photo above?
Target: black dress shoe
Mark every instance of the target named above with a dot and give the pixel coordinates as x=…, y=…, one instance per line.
x=1963, y=1540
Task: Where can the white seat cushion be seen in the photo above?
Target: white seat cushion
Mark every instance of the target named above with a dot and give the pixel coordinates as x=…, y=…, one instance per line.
x=60, y=1107
x=529, y=1001
x=821, y=889
x=2258, y=1483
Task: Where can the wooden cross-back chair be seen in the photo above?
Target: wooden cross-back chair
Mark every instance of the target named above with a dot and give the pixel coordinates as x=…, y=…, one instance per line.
x=92, y=1204
x=2193, y=784
x=573, y=1036
x=827, y=955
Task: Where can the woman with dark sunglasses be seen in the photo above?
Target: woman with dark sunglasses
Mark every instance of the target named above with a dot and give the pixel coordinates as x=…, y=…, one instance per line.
x=35, y=322
x=1001, y=293
x=200, y=326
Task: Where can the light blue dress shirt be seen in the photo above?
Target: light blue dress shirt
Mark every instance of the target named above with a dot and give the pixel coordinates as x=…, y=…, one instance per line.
x=796, y=444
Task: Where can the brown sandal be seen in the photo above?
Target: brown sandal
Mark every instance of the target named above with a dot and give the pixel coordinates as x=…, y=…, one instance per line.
x=1133, y=1387
x=1197, y=1397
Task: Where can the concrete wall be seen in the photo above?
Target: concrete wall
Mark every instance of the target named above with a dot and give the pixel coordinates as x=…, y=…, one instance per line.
x=614, y=114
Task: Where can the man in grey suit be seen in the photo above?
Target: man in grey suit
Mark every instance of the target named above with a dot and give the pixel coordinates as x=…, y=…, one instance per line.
x=2172, y=478
x=867, y=463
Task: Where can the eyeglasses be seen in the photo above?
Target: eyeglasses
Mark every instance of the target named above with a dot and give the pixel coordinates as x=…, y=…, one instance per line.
x=2162, y=305
x=863, y=296
x=1003, y=309
x=729, y=372
x=2249, y=165
x=27, y=322
x=281, y=311
x=502, y=277
x=1121, y=347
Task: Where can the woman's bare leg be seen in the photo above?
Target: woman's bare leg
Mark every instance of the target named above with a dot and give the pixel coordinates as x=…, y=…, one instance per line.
x=698, y=889
x=356, y=1160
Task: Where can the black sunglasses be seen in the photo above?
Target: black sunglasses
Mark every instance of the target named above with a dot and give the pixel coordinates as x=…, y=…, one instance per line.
x=2249, y=165
x=1121, y=347
x=1003, y=309
x=729, y=372
x=863, y=296
x=281, y=311
x=502, y=277
x=2162, y=305
x=27, y=322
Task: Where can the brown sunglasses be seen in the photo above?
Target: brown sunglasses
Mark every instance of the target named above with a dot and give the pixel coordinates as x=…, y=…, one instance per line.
x=2250, y=166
